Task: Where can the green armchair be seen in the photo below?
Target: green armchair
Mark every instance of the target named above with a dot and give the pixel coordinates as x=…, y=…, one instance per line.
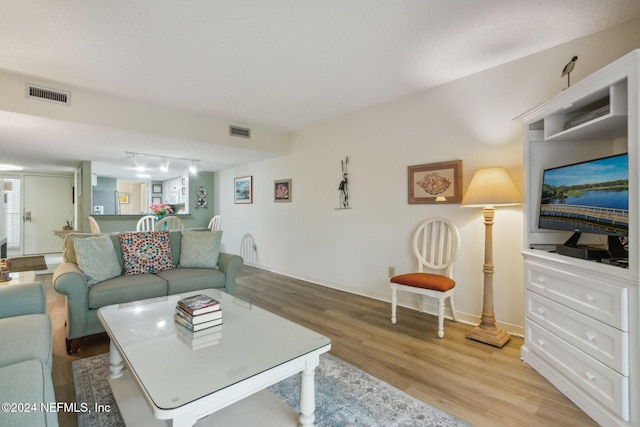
x=26, y=354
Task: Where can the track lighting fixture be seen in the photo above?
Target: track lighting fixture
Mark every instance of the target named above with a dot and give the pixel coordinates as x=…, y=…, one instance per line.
x=194, y=167
x=132, y=161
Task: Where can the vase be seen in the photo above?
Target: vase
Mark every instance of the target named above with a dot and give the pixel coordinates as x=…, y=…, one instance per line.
x=165, y=226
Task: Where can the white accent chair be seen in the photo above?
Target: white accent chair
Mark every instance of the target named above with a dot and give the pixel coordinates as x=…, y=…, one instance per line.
x=214, y=224
x=173, y=223
x=93, y=224
x=436, y=243
x=146, y=223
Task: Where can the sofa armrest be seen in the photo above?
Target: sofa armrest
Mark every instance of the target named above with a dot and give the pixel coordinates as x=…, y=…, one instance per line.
x=70, y=281
x=27, y=298
x=230, y=265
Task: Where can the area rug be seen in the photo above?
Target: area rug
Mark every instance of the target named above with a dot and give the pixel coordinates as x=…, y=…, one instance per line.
x=345, y=397
x=26, y=263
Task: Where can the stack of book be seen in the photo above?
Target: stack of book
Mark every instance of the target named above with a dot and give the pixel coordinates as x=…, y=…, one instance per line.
x=198, y=312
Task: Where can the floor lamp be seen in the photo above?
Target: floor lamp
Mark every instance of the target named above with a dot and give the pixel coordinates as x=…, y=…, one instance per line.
x=490, y=187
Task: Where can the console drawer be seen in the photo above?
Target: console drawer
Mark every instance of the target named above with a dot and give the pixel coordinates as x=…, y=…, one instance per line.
x=601, y=341
x=595, y=298
x=603, y=384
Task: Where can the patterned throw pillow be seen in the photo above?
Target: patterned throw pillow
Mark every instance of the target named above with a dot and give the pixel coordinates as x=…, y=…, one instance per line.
x=200, y=249
x=97, y=258
x=146, y=252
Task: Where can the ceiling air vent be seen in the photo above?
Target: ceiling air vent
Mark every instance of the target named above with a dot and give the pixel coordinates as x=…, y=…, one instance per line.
x=48, y=94
x=237, y=131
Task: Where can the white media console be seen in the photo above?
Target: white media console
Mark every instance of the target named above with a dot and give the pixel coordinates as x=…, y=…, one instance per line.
x=582, y=318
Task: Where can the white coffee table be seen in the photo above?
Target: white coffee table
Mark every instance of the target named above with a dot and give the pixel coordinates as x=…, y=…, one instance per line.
x=256, y=349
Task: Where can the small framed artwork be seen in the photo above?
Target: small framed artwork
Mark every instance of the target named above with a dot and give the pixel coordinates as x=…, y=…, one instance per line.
x=156, y=188
x=156, y=200
x=282, y=191
x=124, y=198
x=435, y=183
x=243, y=189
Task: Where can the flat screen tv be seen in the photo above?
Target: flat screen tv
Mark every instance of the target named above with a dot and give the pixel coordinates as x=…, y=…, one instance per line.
x=588, y=197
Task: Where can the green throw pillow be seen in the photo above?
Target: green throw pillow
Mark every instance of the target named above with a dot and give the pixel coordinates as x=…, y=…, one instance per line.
x=200, y=249
x=97, y=258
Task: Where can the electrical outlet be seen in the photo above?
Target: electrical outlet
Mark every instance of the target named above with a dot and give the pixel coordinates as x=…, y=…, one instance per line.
x=392, y=271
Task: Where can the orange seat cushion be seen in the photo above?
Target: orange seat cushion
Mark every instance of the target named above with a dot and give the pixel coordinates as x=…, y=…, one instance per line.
x=434, y=282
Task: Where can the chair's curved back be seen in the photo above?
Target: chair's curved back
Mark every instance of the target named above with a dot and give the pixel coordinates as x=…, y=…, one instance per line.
x=146, y=223
x=214, y=224
x=93, y=224
x=436, y=243
x=172, y=223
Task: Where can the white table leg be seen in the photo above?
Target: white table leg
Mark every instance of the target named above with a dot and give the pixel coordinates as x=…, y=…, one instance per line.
x=184, y=421
x=115, y=360
x=308, y=394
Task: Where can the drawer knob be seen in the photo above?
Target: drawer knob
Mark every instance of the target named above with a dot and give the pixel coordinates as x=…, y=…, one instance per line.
x=541, y=311
x=591, y=337
x=541, y=342
x=541, y=280
x=591, y=377
x=590, y=298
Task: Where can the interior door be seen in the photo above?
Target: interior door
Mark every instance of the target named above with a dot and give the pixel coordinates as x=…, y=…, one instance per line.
x=48, y=204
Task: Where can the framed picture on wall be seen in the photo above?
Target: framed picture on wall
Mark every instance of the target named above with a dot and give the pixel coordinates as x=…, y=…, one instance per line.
x=282, y=191
x=243, y=190
x=156, y=188
x=156, y=200
x=124, y=198
x=435, y=183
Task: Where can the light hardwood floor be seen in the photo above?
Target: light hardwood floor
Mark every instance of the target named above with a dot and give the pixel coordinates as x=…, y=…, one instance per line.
x=480, y=384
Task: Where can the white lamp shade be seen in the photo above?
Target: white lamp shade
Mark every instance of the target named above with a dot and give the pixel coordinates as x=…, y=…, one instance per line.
x=491, y=187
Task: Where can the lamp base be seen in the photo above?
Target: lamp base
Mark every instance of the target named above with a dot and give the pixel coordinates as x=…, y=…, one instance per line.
x=493, y=336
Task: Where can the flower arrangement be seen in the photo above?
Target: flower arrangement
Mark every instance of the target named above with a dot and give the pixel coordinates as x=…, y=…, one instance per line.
x=161, y=209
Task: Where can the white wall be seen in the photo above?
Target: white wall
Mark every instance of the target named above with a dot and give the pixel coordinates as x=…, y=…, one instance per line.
x=469, y=119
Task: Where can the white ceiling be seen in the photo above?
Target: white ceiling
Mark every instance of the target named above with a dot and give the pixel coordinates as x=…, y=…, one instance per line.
x=281, y=64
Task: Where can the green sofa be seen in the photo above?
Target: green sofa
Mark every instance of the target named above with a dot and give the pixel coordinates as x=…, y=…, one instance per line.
x=26, y=387
x=84, y=300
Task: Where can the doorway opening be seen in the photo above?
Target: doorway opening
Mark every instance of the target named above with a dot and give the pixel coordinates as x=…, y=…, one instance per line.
x=13, y=217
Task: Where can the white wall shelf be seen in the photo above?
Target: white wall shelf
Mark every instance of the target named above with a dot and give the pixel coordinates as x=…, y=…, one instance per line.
x=602, y=114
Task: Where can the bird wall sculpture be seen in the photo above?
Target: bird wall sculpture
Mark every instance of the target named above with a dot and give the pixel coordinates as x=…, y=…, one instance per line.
x=566, y=71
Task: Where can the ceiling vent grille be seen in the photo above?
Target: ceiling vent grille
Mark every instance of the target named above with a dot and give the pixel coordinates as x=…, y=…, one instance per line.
x=48, y=94
x=238, y=131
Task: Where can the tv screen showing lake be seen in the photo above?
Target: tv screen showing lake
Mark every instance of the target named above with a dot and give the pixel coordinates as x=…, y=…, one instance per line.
x=601, y=183
x=601, y=198
x=592, y=196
